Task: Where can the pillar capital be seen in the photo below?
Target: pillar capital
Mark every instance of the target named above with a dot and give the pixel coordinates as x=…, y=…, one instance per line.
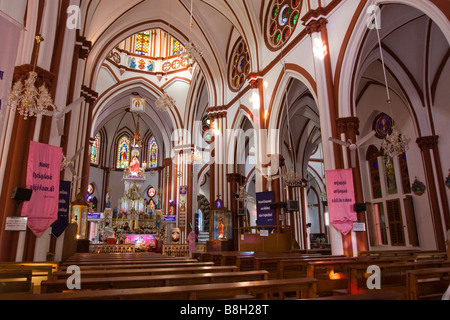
x=316, y=25
x=235, y=178
x=427, y=143
x=348, y=126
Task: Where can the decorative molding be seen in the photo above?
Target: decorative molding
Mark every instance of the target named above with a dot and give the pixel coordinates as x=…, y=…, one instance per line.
x=320, y=12
x=83, y=47
x=90, y=95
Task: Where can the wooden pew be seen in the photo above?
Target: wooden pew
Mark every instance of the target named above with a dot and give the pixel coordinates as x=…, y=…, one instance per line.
x=427, y=284
x=145, y=272
x=294, y=268
x=40, y=270
x=140, y=266
x=255, y=261
x=438, y=255
x=393, y=275
x=396, y=253
x=375, y=295
x=116, y=257
x=334, y=273
x=123, y=261
x=262, y=290
x=14, y=284
x=53, y=286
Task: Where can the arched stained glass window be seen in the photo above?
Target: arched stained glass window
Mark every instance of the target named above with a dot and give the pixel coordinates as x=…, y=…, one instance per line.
x=123, y=152
x=95, y=151
x=153, y=153
x=142, y=43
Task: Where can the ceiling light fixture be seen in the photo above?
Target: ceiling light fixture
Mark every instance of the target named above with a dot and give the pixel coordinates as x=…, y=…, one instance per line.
x=25, y=98
x=190, y=53
x=395, y=143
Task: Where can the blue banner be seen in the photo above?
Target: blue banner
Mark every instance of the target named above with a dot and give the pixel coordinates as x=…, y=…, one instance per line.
x=63, y=209
x=265, y=215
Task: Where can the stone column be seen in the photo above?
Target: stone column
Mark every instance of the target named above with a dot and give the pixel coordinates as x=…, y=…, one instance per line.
x=428, y=145
x=349, y=127
x=316, y=25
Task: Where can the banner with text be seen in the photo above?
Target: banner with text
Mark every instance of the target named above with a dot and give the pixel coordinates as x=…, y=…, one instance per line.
x=265, y=215
x=341, y=199
x=43, y=178
x=61, y=224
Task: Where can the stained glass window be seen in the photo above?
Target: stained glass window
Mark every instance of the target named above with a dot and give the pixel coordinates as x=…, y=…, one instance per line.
x=95, y=151
x=123, y=152
x=239, y=65
x=372, y=157
x=176, y=47
x=389, y=172
x=206, y=129
x=282, y=19
x=382, y=125
x=153, y=153
x=142, y=43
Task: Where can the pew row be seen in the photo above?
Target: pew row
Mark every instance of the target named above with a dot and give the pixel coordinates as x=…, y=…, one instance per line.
x=145, y=272
x=140, y=266
x=261, y=290
x=56, y=286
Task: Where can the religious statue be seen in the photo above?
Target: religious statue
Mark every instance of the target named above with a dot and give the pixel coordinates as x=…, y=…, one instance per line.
x=134, y=165
x=221, y=229
x=133, y=63
x=108, y=200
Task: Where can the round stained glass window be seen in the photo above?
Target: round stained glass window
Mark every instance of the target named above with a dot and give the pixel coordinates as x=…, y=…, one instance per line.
x=383, y=125
x=239, y=65
x=90, y=189
x=151, y=192
x=281, y=21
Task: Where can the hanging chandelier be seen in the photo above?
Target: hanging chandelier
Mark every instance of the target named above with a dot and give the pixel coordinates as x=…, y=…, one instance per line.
x=25, y=98
x=190, y=53
x=195, y=157
x=243, y=195
x=395, y=143
x=293, y=179
x=165, y=102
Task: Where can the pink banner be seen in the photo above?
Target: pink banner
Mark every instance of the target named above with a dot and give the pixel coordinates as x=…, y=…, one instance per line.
x=341, y=199
x=43, y=177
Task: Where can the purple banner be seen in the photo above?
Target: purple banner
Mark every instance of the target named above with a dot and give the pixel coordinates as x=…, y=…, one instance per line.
x=60, y=225
x=265, y=215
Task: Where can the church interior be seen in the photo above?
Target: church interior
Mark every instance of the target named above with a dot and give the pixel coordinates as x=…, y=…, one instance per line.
x=265, y=149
